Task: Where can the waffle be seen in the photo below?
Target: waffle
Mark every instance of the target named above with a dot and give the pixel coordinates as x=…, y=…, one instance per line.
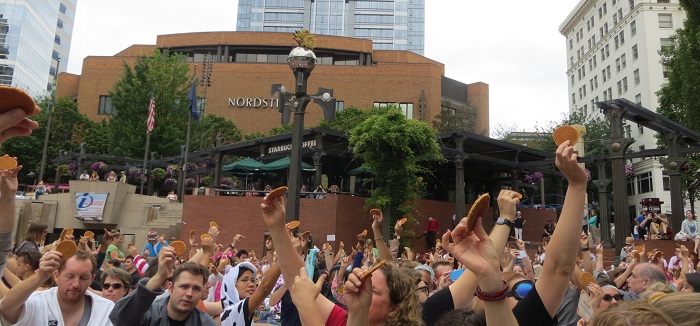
x=13, y=98
x=564, y=133
x=478, y=209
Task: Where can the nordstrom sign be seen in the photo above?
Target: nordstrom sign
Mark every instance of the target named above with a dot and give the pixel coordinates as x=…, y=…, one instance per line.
x=253, y=102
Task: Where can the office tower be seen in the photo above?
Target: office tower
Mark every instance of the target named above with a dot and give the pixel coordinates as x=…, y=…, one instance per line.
x=612, y=50
x=33, y=35
x=391, y=25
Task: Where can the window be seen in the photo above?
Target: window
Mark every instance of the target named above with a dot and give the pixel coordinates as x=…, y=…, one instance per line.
x=664, y=68
x=605, y=8
x=595, y=81
x=584, y=90
x=406, y=108
x=666, y=183
x=571, y=60
x=572, y=79
x=642, y=148
x=54, y=55
x=666, y=43
x=619, y=14
x=571, y=44
x=665, y=21
x=573, y=98
x=638, y=99
x=62, y=8
x=583, y=71
x=57, y=39
x=585, y=109
x=624, y=85
x=605, y=95
x=615, y=19
x=622, y=37
x=617, y=42
x=106, y=107
x=640, y=129
x=636, y=77
x=617, y=65
x=605, y=77
x=614, y=2
x=595, y=64
x=59, y=24
x=339, y=106
x=607, y=70
x=633, y=28
x=609, y=93
x=635, y=52
x=605, y=28
x=600, y=13
x=601, y=33
x=619, y=87
x=644, y=182
x=630, y=187
x=623, y=59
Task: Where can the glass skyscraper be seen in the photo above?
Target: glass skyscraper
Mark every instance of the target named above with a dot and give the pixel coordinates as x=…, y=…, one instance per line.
x=390, y=24
x=33, y=35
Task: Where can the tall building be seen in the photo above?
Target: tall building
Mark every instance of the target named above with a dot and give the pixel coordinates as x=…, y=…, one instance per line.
x=612, y=50
x=390, y=24
x=33, y=35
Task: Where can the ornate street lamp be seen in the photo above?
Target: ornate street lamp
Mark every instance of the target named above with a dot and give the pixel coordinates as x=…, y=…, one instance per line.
x=302, y=61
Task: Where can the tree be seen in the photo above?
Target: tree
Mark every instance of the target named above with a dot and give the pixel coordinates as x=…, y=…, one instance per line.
x=392, y=146
x=253, y=135
x=283, y=129
x=210, y=128
x=166, y=76
x=462, y=117
x=69, y=128
x=349, y=118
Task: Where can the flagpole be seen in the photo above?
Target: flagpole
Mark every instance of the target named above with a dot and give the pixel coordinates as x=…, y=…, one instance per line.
x=181, y=186
x=48, y=124
x=148, y=136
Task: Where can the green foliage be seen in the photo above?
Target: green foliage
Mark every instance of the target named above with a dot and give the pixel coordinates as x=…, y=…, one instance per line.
x=349, y=118
x=392, y=146
x=210, y=128
x=283, y=129
x=679, y=98
x=167, y=77
x=254, y=135
x=69, y=128
x=461, y=118
x=158, y=174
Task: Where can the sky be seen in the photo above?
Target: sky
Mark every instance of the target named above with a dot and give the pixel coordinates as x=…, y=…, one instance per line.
x=514, y=46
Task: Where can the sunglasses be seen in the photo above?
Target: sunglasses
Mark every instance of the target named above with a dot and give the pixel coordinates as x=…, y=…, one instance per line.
x=115, y=286
x=424, y=289
x=521, y=289
x=609, y=298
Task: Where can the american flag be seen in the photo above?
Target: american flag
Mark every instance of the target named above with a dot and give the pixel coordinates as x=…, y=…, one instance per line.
x=151, y=122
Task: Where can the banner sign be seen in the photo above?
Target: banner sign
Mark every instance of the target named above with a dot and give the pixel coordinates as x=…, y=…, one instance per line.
x=90, y=205
x=278, y=148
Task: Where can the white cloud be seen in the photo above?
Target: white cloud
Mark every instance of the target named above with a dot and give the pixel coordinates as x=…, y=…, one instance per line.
x=513, y=46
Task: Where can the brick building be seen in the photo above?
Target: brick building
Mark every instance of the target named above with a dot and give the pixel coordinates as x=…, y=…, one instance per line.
x=246, y=64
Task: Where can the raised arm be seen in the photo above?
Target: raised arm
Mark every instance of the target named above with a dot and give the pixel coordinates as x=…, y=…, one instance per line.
x=384, y=252
x=266, y=286
x=8, y=190
x=12, y=305
x=304, y=295
x=563, y=246
x=588, y=264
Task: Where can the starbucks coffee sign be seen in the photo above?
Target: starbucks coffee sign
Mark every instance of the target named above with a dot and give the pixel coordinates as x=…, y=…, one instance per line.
x=278, y=148
x=253, y=102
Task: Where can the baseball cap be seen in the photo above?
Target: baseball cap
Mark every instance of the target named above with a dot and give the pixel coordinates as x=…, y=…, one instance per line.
x=427, y=269
x=152, y=235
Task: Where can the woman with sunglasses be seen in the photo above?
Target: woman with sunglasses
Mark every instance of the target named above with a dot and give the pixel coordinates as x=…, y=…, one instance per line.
x=116, y=283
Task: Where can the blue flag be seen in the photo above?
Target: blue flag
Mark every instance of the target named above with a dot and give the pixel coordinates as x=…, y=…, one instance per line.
x=192, y=96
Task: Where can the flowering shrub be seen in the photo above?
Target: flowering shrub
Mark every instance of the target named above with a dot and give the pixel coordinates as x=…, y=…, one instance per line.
x=192, y=167
x=72, y=166
x=534, y=177
x=136, y=175
x=172, y=170
x=62, y=170
x=190, y=182
x=99, y=167
x=226, y=181
x=208, y=163
x=206, y=181
x=158, y=174
x=170, y=183
x=588, y=174
x=629, y=171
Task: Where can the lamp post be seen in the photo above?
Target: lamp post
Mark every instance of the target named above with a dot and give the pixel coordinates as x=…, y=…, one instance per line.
x=302, y=61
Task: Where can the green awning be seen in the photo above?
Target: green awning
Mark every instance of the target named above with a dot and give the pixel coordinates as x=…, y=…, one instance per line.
x=361, y=170
x=245, y=165
x=283, y=163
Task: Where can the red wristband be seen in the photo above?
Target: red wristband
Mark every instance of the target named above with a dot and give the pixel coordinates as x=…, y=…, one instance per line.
x=495, y=296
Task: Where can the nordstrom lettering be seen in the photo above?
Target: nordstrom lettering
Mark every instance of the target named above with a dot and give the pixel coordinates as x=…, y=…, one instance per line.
x=253, y=102
x=288, y=147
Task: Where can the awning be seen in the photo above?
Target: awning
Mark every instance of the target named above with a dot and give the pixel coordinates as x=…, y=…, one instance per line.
x=283, y=163
x=245, y=165
x=361, y=170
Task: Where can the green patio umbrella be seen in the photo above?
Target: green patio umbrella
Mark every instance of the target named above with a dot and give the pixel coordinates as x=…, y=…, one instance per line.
x=283, y=163
x=245, y=165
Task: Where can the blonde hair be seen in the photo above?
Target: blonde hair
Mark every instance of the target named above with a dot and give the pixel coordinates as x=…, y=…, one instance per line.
x=401, y=282
x=635, y=313
x=655, y=291
x=680, y=307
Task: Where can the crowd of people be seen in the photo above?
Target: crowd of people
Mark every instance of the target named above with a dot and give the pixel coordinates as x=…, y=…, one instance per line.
x=470, y=277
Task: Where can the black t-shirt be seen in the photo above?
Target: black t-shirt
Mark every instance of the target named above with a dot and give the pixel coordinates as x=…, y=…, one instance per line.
x=436, y=305
x=173, y=322
x=531, y=311
x=518, y=222
x=135, y=277
x=549, y=228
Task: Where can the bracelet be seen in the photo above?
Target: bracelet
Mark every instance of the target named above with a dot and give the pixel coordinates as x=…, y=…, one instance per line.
x=231, y=247
x=585, y=249
x=495, y=296
x=379, y=238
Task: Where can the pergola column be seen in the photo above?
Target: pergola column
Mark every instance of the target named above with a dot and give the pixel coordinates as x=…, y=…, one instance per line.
x=603, y=212
x=617, y=146
x=673, y=164
x=460, y=199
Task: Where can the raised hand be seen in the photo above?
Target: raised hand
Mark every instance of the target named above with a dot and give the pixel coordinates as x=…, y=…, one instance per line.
x=273, y=212
x=48, y=264
x=304, y=289
x=166, y=260
x=584, y=240
x=8, y=182
x=507, y=201
x=377, y=223
x=213, y=232
x=357, y=293
x=474, y=249
x=566, y=162
x=14, y=123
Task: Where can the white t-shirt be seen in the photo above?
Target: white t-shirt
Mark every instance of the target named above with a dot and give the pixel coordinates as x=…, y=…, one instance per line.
x=42, y=309
x=673, y=261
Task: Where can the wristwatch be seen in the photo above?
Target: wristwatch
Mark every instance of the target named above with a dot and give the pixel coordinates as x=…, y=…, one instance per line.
x=504, y=221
